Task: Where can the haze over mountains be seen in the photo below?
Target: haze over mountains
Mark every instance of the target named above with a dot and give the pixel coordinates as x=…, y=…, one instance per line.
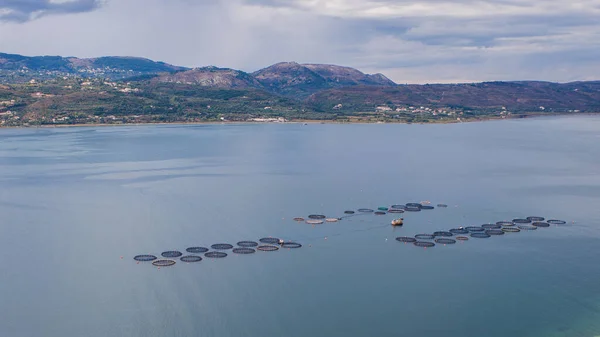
x=307, y=87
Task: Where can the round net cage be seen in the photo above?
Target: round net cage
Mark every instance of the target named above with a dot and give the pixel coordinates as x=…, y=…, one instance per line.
x=424, y=237
x=442, y=205
x=197, y=250
x=540, y=224
x=395, y=211
x=462, y=238
x=348, y=212
x=191, y=258
x=314, y=222
x=427, y=207
x=215, y=255
x=510, y=230
x=382, y=208
x=527, y=227
x=332, y=220
x=535, y=218
x=442, y=233
x=521, y=221
x=145, y=258
x=271, y=241
x=221, y=246
x=480, y=235
x=163, y=263
x=290, y=245
x=414, y=204
x=365, y=210
x=317, y=216
x=445, y=241
x=379, y=213
x=459, y=231
x=243, y=250
x=505, y=223
x=556, y=222
x=475, y=229
x=494, y=232
x=299, y=219
x=171, y=254
x=424, y=244
x=398, y=206
x=491, y=226
x=247, y=244
x=412, y=209
x=407, y=239
x=267, y=248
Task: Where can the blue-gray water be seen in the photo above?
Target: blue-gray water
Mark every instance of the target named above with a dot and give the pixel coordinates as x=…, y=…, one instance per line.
x=74, y=200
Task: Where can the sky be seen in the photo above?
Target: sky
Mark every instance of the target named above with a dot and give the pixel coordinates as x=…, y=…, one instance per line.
x=410, y=41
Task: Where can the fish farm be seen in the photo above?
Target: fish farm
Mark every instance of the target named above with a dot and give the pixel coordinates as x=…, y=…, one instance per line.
x=450, y=236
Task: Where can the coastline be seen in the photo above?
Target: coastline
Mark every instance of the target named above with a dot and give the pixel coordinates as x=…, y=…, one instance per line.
x=307, y=121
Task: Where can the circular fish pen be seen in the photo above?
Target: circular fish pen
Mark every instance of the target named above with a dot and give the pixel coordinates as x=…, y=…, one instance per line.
x=163, y=263
x=445, y=241
x=332, y=220
x=317, y=216
x=491, y=226
x=191, y=258
x=414, y=204
x=412, y=209
x=510, y=230
x=144, y=258
x=197, y=250
x=382, y=208
x=314, y=222
x=475, y=229
x=221, y=246
x=461, y=238
x=458, y=231
x=395, y=211
x=505, y=223
x=379, y=213
x=442, y=205
x=424, y=244
x=398, y=206
x=480, y=235
x=247, y=244
x=299, y=219
x=171, y=254
x=535, y=218
x=365, y=210
x=556, y=222
x=443, y=233
x=271, y=241
x=290, y=245
x=215, y=255
x=527, y=227
x=521, y=221
x=494, y=232
x=267, y=248
x=540, y=224
x=406, y=239
x=348, y=212
x=424, y=237
x=243, y=250
x=427, y=207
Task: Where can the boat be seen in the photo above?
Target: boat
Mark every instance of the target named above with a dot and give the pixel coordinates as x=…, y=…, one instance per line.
x=398, y=222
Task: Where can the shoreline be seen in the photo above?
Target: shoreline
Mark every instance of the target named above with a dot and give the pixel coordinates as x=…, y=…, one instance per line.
x=301, y=121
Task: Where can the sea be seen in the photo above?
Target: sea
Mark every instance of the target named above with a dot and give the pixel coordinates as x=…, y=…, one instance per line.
x=77, y=204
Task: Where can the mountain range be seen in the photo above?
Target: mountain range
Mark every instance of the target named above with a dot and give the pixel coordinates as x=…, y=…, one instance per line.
x=288, y=86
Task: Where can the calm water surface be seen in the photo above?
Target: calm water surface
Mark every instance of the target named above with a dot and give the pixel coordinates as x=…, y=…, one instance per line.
x=74, y=200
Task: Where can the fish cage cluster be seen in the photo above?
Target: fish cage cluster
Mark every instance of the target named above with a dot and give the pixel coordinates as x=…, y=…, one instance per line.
x=169, y=258
x=484, y=231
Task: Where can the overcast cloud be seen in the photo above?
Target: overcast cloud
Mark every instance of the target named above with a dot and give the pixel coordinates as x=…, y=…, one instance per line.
x=410, y=41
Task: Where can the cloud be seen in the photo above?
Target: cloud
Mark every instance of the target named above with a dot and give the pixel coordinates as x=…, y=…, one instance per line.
x=408, y=40
x=25, y=10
